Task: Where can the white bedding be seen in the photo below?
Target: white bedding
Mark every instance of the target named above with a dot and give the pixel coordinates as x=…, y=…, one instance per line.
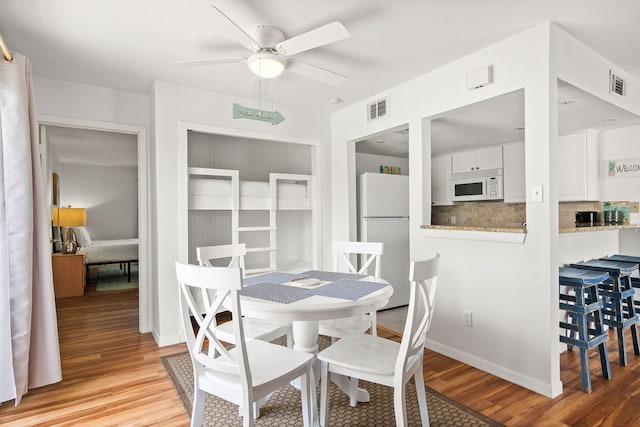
x=107, y=251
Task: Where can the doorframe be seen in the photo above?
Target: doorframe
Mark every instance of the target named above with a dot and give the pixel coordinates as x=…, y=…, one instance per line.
x=183, y=187
x=145, y=291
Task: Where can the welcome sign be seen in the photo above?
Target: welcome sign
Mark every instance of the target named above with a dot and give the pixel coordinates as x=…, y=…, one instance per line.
x=621, y=168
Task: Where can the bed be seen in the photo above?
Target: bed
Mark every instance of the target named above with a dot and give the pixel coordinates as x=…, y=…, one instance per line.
x=101, y=252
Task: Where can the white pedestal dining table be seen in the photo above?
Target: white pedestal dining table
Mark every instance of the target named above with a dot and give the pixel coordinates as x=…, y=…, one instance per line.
x=306, y=313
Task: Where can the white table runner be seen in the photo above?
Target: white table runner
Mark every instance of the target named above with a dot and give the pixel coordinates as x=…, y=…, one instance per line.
x=332, y=276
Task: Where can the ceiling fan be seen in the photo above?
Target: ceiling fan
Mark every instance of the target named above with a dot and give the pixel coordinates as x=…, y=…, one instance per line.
x=271, y=50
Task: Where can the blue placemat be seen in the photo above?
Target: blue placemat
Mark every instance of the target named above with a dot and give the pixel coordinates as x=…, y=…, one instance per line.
x=274, y=277
x=276, y=293
x=332, y=276
x=347, y=289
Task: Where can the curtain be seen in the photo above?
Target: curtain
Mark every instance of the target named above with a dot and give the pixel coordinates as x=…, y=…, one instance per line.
x=29, y=351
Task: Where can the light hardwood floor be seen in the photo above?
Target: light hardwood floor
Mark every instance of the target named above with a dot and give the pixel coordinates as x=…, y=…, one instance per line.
x=112, y=375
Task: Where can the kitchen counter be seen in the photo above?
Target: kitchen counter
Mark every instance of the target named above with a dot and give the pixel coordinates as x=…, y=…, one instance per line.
x=598, y=228
x=475, y=228
x=476, y=233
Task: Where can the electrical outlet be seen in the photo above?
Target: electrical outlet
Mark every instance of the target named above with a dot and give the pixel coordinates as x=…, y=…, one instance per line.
x=468, y=319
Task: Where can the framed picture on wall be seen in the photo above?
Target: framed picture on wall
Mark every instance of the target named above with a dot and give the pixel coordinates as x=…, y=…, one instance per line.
x=55, y=190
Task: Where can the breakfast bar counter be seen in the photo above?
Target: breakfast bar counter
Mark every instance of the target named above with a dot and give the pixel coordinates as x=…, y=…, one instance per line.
x=598, y=228
x=487, y=234
x=475, y=228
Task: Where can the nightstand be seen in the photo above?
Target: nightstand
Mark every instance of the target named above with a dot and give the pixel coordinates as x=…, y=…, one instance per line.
x=68, y=274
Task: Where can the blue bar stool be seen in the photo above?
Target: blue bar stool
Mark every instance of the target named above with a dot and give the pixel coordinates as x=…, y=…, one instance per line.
x=617, y=294
x=635, y=281
x=583, y=307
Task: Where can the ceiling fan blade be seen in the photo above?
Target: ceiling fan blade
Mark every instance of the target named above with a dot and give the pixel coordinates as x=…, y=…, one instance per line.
x=210, y=61
x=317, y=73
x=238, y=33
x=321, y=36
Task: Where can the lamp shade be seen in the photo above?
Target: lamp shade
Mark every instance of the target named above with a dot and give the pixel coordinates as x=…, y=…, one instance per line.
x=69, y=217
x=265, y=65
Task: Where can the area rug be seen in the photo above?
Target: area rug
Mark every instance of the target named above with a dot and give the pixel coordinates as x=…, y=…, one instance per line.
x=111, y=278
x=284, y=407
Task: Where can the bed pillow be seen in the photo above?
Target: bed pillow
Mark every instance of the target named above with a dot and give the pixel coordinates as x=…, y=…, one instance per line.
x=82, y=236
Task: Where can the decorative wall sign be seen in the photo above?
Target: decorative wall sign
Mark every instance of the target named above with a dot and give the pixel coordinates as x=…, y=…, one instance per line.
x=393, y=170
x=240, y=112
x=621, y=168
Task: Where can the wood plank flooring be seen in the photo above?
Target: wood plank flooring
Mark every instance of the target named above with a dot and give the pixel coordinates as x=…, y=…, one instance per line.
x=112, y=375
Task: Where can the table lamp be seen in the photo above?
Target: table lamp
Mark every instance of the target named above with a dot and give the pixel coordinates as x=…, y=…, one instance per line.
x=69, y=217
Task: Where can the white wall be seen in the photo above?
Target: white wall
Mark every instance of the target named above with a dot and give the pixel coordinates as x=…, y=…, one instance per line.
x=68, y=99
x=176, y=109
x=490, y=279
x=620, y=144
x=109, y=194
x=510, y=288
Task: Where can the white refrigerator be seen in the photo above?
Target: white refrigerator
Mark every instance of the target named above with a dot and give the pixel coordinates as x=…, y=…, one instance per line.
x=384, y=217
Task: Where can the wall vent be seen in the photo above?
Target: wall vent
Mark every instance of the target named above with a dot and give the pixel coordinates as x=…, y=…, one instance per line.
x=378, y=109
x=617, y=85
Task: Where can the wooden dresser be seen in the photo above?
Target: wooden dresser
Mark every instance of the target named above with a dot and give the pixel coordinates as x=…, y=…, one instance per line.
x=68, y=274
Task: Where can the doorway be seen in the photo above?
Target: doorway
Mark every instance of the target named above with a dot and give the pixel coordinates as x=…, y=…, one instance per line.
x=136, y=135
x=382, y=208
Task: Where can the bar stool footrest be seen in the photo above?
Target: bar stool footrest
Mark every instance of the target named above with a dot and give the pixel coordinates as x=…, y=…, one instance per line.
x=593, y=342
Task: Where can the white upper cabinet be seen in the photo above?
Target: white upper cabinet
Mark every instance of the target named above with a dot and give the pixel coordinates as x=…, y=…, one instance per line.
x=576, y=159
x=483, y=159
x=514, y=172
x=440, y=188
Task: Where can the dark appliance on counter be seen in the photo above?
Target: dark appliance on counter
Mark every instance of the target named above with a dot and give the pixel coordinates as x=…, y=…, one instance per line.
x=586, y=218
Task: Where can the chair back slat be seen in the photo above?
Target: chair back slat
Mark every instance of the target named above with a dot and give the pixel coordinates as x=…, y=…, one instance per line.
x=207, y=255
x=212, y=256
x=423, y=277
x=370, y=252
x=206, y=350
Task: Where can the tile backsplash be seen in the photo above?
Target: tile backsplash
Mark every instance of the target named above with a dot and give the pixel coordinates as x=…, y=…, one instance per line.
x=481, y=214
x=498, y=214
x=568, y=210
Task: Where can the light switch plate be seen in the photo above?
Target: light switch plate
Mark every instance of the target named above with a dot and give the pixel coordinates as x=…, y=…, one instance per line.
x=536, y=193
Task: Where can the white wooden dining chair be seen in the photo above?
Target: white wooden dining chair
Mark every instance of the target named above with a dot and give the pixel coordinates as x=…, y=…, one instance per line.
x=266, y=330
x=387, y=362
x=249, y=372
x=345, y=259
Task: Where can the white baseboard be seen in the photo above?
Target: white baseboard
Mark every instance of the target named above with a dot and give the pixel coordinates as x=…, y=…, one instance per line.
x=164, y=341
x=546, y=389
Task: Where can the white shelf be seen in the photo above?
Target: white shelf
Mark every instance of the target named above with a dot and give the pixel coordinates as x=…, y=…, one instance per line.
x=251, y=229
x=263, y=249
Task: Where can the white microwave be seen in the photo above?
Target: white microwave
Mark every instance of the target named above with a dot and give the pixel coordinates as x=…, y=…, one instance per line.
x=477, y=185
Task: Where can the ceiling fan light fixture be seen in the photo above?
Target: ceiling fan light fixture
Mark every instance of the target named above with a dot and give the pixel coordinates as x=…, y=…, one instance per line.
x=266, y=65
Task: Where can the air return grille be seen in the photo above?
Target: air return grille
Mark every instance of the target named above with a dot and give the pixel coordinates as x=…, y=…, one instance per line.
x=617, y=85
x=378, y=109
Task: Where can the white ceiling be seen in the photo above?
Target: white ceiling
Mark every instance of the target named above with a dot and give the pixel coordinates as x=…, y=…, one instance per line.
x=127, y=44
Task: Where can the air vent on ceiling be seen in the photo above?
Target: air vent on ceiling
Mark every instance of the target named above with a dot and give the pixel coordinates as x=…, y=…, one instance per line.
x=378, y=109
x=617, y=85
